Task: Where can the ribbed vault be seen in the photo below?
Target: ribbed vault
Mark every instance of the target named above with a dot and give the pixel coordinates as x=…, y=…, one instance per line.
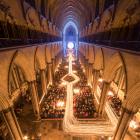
x=60, y=11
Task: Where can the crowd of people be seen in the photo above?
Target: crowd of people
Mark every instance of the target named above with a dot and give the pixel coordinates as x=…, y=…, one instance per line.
x=62, y=71
x=54, y=103
x=116, y=104
x=81, y=75
x=83, y=104
x=83, y=101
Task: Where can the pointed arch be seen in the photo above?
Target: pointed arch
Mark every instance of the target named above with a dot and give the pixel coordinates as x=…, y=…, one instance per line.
x=66, y=26
x=20, y=59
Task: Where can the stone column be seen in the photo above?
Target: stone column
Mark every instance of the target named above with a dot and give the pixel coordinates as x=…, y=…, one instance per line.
x=12, y=124
x=43, y=81
x=86, y=67
x=103, y=98
x=34, y=98
x=53, y=68
x=49, y=73
x=55, y=63
x=83, y=61
x=123, y=124
x=95, y=79
x=90, y=76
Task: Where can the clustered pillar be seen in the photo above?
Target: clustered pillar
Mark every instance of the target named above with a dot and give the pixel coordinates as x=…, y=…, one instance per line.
x=43, y=81
x=49, y=73
x=90, y=76
x=123, y=124
x=96, y=75
x=103, y=98
x=34, y=98
x=12, y=124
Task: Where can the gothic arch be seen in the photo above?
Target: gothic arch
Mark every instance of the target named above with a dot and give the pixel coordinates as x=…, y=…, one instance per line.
x=21, y=60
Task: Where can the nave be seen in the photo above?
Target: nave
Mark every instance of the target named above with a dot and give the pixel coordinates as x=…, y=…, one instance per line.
x=69, y=69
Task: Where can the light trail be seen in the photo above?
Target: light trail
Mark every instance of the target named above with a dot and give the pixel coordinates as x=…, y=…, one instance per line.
x=74, y=127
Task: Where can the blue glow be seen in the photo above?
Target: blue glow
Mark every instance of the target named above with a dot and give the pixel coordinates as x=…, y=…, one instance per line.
x=70, y=45
x=70, y=23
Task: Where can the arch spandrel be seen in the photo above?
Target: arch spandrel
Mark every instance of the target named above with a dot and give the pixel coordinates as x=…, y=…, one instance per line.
x=48, y=54
x=91, y=54
x=40, y=57
x=98, y=64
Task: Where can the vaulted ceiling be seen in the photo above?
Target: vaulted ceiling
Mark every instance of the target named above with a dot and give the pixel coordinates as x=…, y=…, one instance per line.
x=80, y=11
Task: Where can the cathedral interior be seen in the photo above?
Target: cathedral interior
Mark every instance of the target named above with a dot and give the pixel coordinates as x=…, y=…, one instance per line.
x=69, y=69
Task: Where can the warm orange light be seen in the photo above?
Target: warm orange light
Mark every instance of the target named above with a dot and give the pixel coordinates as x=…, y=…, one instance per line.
x=100, y=80
x=110, y=93
x=60, y=104
x=76, y=91
x=63, y=84
x=74, y=71
x=25, y=137
x=110, y=138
